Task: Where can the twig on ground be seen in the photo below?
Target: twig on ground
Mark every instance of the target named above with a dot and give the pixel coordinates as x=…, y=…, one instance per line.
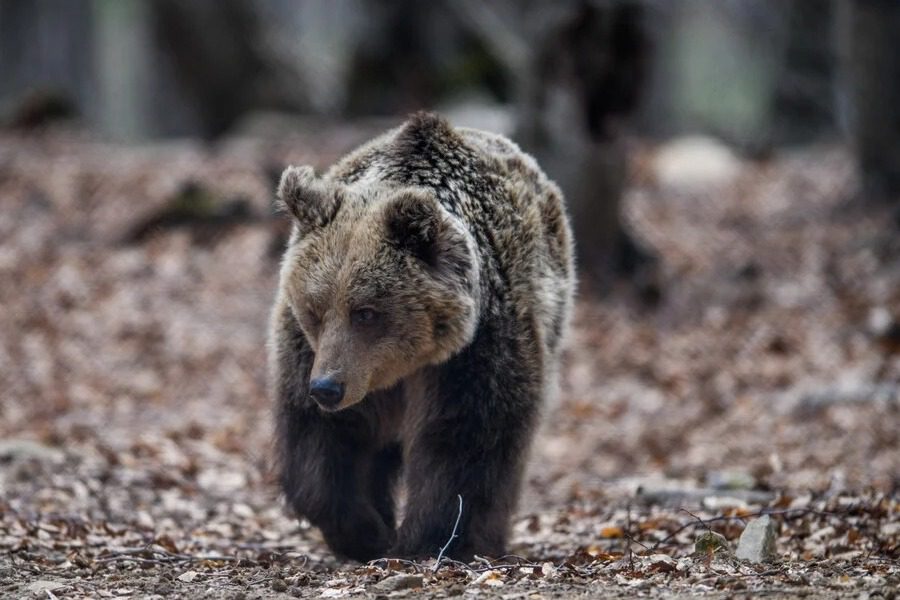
x=789, y=513
x=453, y=535
x=491, y=566
x=160, y=556
x=137, y=559
x=483, y=560
x=417, y=566
x=628, y=538
x=697, y=518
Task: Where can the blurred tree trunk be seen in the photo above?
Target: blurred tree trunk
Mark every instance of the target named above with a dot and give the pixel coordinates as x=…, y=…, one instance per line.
x=45, y=58
x=870, y=57
x=413, y=54
x=586, y=74
x=220, y=60
x=803, y=103
x=579, y=67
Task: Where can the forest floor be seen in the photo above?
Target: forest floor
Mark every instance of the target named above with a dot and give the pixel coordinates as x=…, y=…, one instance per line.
x=135, y=432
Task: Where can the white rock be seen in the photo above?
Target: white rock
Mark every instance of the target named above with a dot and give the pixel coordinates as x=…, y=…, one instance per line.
x=221, y=481
x=188, y=576
x=144, y=520
x=757, y=543
x=660, y=562
x=696, y=162
x=242, y=510
x=718, y=503
x=730, y=479
x=43, y=585
x=18, y=450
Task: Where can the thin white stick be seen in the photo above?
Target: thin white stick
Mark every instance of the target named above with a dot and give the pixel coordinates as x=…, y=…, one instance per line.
x=453, y=536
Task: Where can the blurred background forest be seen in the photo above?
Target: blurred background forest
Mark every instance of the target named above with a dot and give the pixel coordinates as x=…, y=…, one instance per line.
x=732, y=169
x=565, y=79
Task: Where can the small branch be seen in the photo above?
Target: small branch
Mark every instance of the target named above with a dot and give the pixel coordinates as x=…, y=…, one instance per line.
x=628, y=548
x=453, y=535
x=417, y=566
x=697, y=518
x=159, y=556
x=137, y=559
x=789, y=513
x=483, y=561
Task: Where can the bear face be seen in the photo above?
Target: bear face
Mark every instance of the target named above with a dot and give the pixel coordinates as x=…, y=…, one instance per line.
x=382, y=281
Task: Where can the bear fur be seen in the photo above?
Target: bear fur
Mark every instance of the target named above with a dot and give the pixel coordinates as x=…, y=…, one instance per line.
x=427, y=282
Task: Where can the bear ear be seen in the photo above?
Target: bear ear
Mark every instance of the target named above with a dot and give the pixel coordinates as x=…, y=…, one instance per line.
x=414, y=224
x=311, y=201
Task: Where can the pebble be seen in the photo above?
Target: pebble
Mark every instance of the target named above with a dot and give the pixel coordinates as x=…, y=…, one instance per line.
x=757, y=543
x=695, y=163
x=662, y=563
x=43, y=585
x=188, y=576
x=730, y=480
x=21, y=450
x=710, y=542
x=401, y=581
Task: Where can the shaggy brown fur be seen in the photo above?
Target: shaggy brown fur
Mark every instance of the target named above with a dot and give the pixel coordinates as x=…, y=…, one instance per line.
x=417, y=327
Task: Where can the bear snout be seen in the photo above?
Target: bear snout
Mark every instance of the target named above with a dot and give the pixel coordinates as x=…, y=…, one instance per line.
x=327, y=392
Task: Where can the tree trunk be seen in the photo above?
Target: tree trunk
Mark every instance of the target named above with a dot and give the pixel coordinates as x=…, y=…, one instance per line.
x=870, y=61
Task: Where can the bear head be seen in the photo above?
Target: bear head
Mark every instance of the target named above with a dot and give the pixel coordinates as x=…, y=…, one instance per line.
x=382, y=280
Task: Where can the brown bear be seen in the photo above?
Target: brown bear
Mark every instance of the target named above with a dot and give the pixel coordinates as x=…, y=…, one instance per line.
x=423, y=295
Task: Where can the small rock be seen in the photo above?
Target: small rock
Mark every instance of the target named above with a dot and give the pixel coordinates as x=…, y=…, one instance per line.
x=730, y=480
x=43, y=585
x=144, y=520
x=279, y=585
x=188, y=576
x=757, y=543
x=401, y=581
x=880, y=320
x=221, y=481
x=660, y=563
x=21, y=450
x=710, y=542
x=719, y=503
x=696, y=162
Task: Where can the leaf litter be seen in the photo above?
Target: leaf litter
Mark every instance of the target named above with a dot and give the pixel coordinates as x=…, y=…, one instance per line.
x=136, y=432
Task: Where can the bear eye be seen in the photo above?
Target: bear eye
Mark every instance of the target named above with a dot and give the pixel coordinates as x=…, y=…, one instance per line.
x=364, y=316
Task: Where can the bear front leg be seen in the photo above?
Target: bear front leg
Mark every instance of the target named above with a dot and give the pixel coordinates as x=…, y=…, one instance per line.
x=471, y=434
x=325, y=459
x=326, y=479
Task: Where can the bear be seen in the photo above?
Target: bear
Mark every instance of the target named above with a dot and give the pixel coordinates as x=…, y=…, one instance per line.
x=422, y=301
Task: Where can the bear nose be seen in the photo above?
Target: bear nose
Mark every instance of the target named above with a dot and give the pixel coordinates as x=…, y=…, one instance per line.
x=327, y=392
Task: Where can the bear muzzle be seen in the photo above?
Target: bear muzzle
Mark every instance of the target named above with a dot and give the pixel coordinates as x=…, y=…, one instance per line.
x=327, y=392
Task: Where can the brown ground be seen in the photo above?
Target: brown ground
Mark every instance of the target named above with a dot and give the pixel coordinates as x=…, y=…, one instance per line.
x=134, y=427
